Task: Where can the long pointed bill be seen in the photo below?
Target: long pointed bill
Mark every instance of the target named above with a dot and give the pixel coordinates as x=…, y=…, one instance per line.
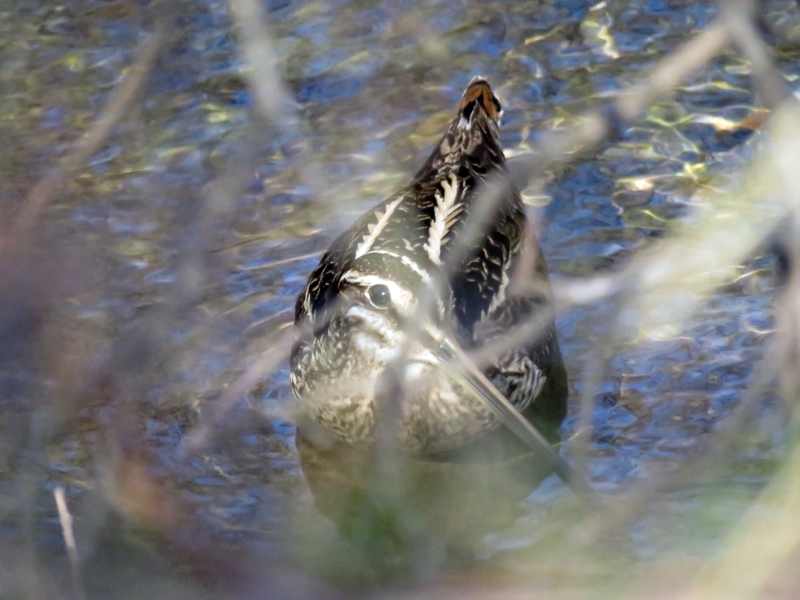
x=462, y=369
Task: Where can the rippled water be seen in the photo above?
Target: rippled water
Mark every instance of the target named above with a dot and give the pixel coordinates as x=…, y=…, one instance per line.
x=373, y=85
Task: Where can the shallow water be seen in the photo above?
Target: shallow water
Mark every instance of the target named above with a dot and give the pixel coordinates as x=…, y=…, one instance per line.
x=373, y=85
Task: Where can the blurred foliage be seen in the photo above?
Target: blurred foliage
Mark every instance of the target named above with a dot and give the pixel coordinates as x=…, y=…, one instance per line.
x=167, y=264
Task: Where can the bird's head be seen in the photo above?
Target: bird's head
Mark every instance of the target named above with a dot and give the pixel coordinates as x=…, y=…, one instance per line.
x=479, y=101
x=386, y=301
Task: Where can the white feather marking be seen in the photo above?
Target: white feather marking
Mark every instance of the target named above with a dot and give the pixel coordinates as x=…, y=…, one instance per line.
x=500, y=296
x=375, y=229
x=424, y=275
x=445, y=205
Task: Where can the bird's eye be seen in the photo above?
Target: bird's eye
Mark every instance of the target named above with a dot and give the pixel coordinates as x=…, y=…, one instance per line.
x=379, y=295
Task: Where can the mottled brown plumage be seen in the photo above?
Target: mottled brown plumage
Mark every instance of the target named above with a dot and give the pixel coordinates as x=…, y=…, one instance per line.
x=353, y=318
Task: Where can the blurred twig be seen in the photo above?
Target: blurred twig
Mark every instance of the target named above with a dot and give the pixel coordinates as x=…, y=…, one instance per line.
x=765, y=538
x=768, y=193
x=599, y=126
x=630, y=506
x=65, y=518
x=696, y=259
x=593, y=376
x=770, y=84
x=278, y=349
x=282, y=262
x=593, y=129
x=120, y=100
x=271, y=98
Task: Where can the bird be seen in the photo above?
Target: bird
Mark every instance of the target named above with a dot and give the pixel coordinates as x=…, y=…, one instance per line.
x=435, y=261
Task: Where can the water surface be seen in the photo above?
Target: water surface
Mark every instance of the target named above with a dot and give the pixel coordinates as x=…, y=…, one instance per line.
x=373, y=84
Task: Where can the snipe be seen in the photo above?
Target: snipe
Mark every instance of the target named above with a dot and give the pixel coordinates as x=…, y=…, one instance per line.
x=401, y=278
